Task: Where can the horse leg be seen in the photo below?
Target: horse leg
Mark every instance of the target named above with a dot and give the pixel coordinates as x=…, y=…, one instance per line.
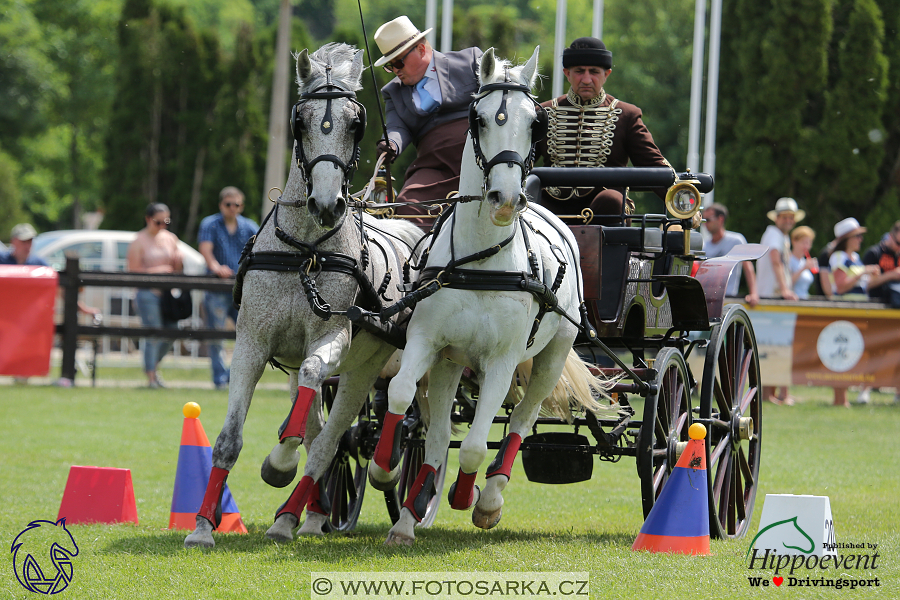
x=353, y=387
x=545, y=373
x=280, y=466
x=418, y=357
x=247, y=367
x=443, y=379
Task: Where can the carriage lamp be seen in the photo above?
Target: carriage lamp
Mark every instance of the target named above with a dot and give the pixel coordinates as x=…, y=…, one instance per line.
x=683, y=200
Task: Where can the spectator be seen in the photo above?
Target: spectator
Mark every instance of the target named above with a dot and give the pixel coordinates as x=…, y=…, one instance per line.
x=851, y=276
x=590, y=128
x=823, y=285
x=886, y=254
x=222, y=238
x=426, y=104
x=803, y=267
x=22, y=236
x=720, y=243
x=154, y=250
x=773, y=279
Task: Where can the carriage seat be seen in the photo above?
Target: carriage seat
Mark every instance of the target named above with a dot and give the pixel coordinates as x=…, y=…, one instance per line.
x=650, y=239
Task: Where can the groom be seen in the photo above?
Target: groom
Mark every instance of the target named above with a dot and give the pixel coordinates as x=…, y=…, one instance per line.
x=427, y=105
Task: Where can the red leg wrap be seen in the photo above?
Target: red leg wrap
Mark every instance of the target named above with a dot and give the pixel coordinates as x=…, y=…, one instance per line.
x=421, y=492
x=296, y=425
x=502, y=464
x=299, y=498
x=317, y=503
x=462, y=493
x=213, y=496
x=387, y=452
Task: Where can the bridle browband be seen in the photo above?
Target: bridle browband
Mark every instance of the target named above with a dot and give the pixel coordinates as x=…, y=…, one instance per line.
x=501, y=118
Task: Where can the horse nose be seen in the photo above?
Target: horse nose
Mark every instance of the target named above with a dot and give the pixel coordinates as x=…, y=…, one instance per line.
x=326, y=214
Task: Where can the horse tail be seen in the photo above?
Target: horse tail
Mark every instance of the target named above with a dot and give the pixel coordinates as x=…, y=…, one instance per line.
x=576, y=389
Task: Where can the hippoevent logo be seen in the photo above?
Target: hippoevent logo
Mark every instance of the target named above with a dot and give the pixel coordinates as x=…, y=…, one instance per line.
x=42, y=556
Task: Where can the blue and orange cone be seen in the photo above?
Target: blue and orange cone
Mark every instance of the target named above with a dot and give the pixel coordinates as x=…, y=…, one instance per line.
x=679, y=520
x=192, y=475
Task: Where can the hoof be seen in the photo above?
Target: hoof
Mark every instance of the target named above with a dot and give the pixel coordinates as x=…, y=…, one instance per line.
x=398, y=539
x=202, y=536
x=280, y=531
x=486, y=520
x=274, y=477
x=383, y=486
x=313, y=524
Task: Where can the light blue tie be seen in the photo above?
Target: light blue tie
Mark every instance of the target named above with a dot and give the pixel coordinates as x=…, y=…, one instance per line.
x=427, y=104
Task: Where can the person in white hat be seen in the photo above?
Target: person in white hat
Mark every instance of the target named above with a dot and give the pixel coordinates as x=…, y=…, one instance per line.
x=426, y=105
x=773, y=277
x=851, y=276
x=20, y=253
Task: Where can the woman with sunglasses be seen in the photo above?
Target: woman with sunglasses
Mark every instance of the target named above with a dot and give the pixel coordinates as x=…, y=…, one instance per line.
x=426, y=105
x=154, y=250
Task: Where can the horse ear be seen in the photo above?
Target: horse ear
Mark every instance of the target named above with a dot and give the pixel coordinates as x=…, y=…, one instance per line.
x=356, y=68
x=304, y=67
x=529, y=71
x=488, y=66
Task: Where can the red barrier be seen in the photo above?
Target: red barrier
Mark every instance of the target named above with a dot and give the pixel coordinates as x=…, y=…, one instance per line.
x=27, y=295
x=98, y=495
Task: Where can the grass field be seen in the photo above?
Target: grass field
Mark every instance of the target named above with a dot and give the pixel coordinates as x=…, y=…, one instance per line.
x=850, y=455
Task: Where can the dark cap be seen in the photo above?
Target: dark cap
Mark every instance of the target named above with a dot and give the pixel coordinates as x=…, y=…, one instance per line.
x=587, y=52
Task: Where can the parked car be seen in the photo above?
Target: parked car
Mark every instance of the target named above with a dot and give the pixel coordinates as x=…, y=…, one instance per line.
x=106, y=250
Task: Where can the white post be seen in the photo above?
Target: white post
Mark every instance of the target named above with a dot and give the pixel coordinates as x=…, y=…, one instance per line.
x=712, y=92
x=431, y=21
x=597, y=29
x=447, y=27
x=558, y=45
x=278, y=109
x=693, y=156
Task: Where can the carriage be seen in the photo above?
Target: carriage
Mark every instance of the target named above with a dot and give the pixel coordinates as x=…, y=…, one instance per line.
x=661, y=303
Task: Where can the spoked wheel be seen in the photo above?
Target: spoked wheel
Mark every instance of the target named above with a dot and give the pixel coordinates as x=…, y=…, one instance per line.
x=664, y=425
x=730, y=401
x=411, y=463
x=344, y=483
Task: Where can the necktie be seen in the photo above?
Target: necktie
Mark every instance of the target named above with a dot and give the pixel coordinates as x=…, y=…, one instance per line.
x=427, y=104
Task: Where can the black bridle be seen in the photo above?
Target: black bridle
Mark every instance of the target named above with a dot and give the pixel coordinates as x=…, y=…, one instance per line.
x=328, y=92
x=510, y=157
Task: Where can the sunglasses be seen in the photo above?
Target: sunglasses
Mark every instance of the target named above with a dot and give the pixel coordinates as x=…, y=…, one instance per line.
x=397, y=63
x=230, y=204
x=163, y=223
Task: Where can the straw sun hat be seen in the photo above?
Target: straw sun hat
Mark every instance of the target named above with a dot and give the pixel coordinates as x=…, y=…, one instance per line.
x=395, y=37
x=787, y=205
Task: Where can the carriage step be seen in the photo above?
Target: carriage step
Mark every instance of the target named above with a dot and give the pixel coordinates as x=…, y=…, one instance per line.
x=564, y=464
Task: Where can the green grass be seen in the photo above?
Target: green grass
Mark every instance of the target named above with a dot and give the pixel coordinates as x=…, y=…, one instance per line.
x=849, y=455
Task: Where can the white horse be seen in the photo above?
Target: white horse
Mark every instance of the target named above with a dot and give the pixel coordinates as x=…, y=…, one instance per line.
x=477, y=319
x=310, y=231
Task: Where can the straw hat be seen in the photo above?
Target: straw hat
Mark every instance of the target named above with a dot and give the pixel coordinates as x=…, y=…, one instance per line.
x=395, y=37
x=847, y=228
x=786, y=205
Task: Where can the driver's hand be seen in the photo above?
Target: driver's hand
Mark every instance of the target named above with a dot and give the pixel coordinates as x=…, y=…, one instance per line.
x=387, y=147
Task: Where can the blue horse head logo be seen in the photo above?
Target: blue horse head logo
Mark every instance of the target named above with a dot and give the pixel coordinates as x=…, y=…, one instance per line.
x=42, y=556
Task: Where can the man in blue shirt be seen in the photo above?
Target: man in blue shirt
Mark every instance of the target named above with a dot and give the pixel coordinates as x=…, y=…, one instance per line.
x=20, y=254
x=222, y=237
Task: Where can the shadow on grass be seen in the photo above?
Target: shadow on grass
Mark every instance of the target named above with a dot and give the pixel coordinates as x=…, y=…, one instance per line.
x=365, y=539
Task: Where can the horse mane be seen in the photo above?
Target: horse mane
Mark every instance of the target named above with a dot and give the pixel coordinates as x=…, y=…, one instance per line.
x=341, y=58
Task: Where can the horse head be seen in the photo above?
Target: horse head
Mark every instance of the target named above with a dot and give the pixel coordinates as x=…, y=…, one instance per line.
x=328, y=123
x=505, y=123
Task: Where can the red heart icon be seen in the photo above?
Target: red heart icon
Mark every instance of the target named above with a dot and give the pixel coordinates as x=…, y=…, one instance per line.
x=778, y=580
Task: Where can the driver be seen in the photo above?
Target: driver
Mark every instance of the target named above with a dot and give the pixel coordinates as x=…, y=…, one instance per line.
x=590, y=128
x=427, y=105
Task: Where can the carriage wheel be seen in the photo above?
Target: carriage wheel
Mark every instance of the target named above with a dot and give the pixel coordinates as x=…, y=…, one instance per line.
x=664, y=425
x=730, y=400
x=412, y=461
x=344, y=483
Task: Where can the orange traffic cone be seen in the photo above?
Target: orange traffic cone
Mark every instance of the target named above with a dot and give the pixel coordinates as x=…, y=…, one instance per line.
x=191, y=476
x=679, y=521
